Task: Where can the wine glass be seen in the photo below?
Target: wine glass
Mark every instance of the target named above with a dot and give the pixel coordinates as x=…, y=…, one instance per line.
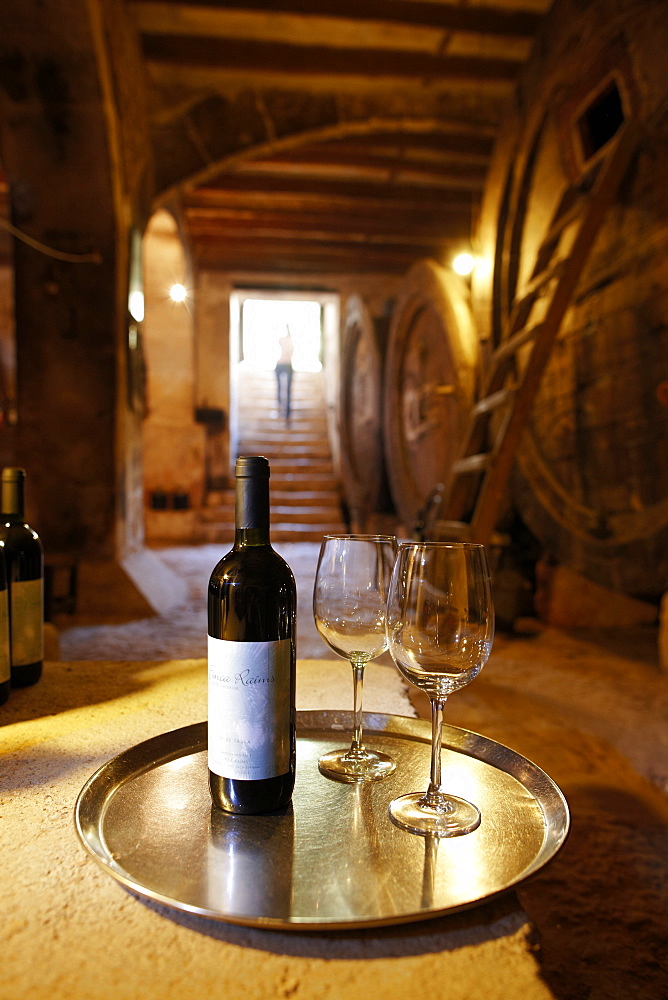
x=440, y=623
x=349, y=607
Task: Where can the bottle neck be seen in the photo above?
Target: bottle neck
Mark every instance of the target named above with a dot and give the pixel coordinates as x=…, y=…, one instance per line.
x=251, y=512
x=12, y=496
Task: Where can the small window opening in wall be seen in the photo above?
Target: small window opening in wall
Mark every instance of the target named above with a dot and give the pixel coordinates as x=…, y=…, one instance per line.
x=602, y=120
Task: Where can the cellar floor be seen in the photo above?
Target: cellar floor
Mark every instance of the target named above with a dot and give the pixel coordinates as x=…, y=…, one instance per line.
x=589, y=707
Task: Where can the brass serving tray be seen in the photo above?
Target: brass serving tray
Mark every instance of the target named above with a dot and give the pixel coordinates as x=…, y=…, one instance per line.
x=333, y=859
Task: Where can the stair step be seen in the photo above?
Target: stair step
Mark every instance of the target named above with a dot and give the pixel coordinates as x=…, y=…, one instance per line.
x=304, y=442
x=309, y=515
x=305, y=532
x=305, y=481
x=298, y=488
x=266, y=420
x=251, y=394
x=305, y=433
x=268, y=395
x=319, y=466
x=223, y=499
x=304, y=498
x=304, y=490
x=304, y=454
x=287, y=515
x=224, y=533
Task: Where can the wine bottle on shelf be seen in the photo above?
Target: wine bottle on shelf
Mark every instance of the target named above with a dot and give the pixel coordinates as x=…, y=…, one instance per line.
x=252, y=659
x=24, y=560
x=5, y=662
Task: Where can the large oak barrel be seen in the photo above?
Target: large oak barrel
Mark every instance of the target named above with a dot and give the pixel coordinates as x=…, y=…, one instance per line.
x=430, y=384
x=363, y=342
x=591, y=479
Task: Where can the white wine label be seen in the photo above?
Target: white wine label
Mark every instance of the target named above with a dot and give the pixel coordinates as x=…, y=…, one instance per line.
x=5, y=662
x=249, y=708
x=27, y=613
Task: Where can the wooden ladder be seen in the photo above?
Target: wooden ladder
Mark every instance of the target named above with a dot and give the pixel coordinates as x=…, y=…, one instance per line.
x=470, y=505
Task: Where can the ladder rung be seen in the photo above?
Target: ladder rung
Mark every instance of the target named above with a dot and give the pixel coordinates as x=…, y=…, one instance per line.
x=539, y=281
x=562, y=222
x=471, y=464
x=513, y=344
x=492, y=402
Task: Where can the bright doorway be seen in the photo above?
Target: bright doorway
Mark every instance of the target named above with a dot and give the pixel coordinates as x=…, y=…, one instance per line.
x=265, y=321
x=259, y=317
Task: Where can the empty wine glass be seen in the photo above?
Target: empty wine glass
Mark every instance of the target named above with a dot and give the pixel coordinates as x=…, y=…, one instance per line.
x=349, y=607
x=440, y=622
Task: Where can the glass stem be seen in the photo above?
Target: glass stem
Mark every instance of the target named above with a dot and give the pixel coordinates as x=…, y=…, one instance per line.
x=358, y=666
x=434, y=796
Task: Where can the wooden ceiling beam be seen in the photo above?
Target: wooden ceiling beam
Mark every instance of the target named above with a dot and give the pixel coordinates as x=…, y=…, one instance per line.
x=360, y=229
x=307, y=161
x=415, y=245
x=259, y=57
x=479, y=20
x=454, y=143
x=376, y=158
x=287, y=256
x=435, y=214
x=388, y=194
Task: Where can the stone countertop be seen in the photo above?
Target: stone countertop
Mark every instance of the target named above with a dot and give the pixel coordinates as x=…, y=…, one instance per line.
x=70, y=931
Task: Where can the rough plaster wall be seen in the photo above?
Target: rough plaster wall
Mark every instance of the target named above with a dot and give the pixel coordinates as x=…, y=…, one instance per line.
x=7, y=364
x=213, y=390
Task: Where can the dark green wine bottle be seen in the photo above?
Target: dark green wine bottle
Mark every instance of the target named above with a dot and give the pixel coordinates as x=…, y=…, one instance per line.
x=5, y=661
x=24, y=560
x=252, y=660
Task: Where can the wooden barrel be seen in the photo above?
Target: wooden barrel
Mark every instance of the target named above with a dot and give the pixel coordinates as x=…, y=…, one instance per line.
x=591, y=479
x=430, y=384
x=363, y=340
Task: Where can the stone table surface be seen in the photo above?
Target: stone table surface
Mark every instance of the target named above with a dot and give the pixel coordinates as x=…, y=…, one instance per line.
x=70, y=931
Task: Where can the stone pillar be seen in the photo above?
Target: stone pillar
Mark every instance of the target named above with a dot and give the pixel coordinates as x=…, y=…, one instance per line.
x=173, y=440
x=213, y=398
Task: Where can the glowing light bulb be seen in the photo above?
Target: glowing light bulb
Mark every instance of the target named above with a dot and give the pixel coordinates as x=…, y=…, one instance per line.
x=178, y=293
x=136, y=305
x=463, y=263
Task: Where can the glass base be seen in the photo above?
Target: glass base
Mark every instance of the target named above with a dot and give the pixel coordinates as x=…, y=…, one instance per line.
x=356, y=765
x=453, y=818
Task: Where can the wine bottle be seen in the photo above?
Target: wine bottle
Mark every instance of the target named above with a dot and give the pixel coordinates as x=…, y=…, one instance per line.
x=251, y=646
x=24, y=559
x=5, y=662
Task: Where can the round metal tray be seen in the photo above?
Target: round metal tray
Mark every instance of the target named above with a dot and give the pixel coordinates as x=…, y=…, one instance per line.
x=332, y=859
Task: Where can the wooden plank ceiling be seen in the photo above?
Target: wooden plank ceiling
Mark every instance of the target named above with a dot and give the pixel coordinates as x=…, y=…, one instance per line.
x=320, y=136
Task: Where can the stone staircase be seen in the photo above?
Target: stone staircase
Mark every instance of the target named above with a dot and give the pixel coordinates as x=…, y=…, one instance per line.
x=305, y=499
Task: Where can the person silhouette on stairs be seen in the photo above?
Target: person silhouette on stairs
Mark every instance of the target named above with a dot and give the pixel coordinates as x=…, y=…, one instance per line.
x=284, y=372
